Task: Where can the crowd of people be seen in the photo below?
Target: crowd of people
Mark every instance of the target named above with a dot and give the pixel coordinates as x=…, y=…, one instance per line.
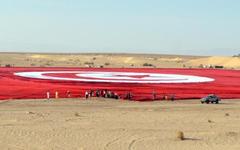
x=101, y=93
x=108, y=94
x=87, y=94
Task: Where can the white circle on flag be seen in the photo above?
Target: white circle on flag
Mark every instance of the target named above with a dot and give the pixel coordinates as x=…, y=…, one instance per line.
x=114, y=77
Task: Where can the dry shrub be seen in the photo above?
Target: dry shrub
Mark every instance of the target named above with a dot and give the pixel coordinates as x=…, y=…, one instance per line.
x=48, y=63
x=180, y=135
x=227, y=114
x=8, y=65
x=210, y=121
x=30, y=112
x=147, y=65
x=89, y=63
x=231, y=133
x=76, y=114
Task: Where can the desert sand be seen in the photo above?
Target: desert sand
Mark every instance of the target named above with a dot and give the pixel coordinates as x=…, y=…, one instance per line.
x=106, y=124
x=228, y=62
x=116, y=60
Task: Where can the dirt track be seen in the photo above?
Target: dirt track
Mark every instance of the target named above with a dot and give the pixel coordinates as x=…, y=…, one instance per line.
x=110, y=124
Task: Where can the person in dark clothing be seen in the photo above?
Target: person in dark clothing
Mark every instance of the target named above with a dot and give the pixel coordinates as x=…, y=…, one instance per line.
x=97, y=93
x=116, y=96
x=91, y=93
x=112, y=94
x=86, y=94
x=154, y=95
x=129, y=96
x=172, y=97
x=108, y=94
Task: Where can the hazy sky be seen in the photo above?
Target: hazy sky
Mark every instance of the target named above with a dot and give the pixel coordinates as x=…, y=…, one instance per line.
x=200, y=27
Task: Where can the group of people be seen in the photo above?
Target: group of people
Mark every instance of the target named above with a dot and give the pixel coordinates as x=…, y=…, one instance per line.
x=101, y=93
x=87, y=94
x=68, y=94
x=109, y=94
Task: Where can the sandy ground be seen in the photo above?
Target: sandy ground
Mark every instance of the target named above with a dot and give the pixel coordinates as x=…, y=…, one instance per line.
x=94, y=60
x=116, y=60
x=99, y=124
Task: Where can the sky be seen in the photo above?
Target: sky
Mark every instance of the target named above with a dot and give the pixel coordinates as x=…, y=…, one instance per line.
x=186, y=27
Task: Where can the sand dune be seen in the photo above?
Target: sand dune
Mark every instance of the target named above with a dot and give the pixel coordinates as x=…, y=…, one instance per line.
x=230, y=62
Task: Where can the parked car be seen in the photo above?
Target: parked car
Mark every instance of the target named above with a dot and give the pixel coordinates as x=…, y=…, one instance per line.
x=210, y=99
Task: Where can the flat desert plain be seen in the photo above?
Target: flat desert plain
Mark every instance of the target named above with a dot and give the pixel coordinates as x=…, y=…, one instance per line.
x=106, y=124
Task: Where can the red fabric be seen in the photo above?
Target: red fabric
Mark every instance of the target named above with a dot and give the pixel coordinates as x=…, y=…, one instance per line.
x=226, y=84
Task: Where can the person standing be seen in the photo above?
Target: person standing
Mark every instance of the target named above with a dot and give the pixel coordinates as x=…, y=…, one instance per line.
x=116, y=95
x=97, y=93
x=48, y=95
x=104, y=93
x=86, y=94
x=172, y=97
x=68, y=94
x=154, y=95
x=56, y=95
x=129, y=96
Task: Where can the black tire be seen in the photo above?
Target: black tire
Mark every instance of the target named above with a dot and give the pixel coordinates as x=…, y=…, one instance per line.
x=202, y=102
x=217, y=102
x=207, y=102
x=212, y=102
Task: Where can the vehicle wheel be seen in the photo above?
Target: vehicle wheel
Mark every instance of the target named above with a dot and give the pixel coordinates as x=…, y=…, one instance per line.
x=212, y=102
x=207, y=102
x=217, y=102
x=202, y=102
